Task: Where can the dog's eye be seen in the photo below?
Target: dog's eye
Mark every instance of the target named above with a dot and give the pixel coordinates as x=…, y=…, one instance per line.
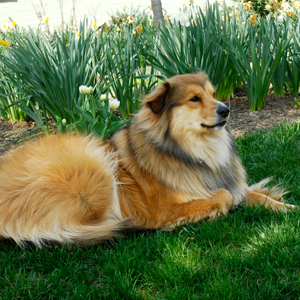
x=195, y=99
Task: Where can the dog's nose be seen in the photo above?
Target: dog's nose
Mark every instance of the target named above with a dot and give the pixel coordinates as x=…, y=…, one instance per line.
x=223, y=110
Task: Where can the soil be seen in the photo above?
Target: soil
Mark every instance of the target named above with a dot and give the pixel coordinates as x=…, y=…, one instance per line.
x=242, y=120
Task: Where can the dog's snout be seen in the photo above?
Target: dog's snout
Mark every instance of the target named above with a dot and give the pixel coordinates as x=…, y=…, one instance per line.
x=223, y=110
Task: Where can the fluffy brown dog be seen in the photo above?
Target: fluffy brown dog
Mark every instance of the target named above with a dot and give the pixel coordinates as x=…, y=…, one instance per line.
x=176, y=163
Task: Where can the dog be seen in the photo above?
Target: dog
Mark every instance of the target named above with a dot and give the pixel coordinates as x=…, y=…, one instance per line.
x=176, y=163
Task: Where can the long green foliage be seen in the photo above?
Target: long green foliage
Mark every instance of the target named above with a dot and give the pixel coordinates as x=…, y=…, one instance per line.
x=41, y=76
x=257, y=57
x=199, y=46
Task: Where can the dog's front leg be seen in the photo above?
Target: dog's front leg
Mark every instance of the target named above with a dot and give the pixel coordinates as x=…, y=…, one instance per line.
x=196, y=210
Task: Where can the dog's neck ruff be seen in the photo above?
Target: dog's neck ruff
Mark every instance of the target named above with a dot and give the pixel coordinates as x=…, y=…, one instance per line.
x=215, y=165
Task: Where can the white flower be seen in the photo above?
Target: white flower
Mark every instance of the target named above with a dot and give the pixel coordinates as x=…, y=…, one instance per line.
x=78, y=35
x=103, y=97
x=183, y=19
x=114, y=103
x=5, y=27
x=44, y=20
x=281, y=18
x=90, y=90
x=84, y=90
x=94, y=26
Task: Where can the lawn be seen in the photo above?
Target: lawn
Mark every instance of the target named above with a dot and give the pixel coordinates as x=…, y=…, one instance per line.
x=252, y=253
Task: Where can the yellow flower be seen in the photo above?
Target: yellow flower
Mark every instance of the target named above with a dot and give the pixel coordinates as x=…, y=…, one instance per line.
x=78, y=35
x=130, y=21
x=13, y=23
x=150, y=22
x=254, y=16
x=5, y=43
x=94, y=26
x=191, y=1
x=268, y=7
x=248, y=6
x=292, y=14
x=184, y=7
x=45, y=20
x=279, y=4
x=204, y=8
x=150, y=6
x=134, y=32
x=139, y=29
x=118, y=29
x=252, y=22
x=166, y=19
x=236, y=12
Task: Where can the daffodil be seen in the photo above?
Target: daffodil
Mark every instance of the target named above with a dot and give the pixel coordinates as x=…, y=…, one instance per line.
x=139, y=29
x=150, y=22
x=150, y=6
x=13, y=23
x=134, y=32
x=292, y=14
x=252, y=21
x=78, y=35
x=5, y=43
x=130, y=21
x=5, y=27
x=184, y=7
x=254, y=16
x=183, y=19
x=44, y=20
x=166, y=19
x=268, y=7
x=94, y=26
x=248, y=6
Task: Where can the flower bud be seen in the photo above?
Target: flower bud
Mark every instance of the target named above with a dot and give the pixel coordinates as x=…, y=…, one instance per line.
x=114, y=103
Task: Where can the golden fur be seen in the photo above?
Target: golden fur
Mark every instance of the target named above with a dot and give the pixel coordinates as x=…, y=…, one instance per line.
x=175, y=163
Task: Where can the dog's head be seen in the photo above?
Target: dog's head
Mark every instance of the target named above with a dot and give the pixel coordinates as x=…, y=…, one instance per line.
x=188, y=102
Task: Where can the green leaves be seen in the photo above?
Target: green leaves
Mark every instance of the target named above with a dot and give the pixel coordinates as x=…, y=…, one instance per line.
x=256, y=57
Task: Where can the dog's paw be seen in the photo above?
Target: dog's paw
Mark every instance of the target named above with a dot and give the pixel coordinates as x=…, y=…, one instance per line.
x=225, y=199
x=290, y=207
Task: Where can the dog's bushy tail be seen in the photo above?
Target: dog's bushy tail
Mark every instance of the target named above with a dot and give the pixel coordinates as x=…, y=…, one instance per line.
x=61, y=189
x=275, y=192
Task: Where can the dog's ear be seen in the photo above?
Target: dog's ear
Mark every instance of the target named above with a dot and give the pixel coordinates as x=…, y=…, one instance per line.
x=157, y=99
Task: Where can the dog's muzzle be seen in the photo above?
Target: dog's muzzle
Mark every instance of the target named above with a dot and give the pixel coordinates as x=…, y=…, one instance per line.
x=222, y=114
x=222, y=111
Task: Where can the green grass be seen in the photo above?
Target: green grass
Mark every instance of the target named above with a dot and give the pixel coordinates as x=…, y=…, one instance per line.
x=252, y=253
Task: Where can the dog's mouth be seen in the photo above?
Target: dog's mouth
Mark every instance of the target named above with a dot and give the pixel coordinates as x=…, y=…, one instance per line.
x=220, y=124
